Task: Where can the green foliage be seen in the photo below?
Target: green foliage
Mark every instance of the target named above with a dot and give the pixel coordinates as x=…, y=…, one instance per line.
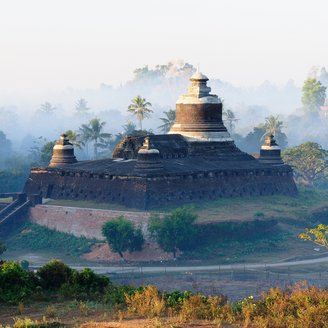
x=122, y=235
x=85, y=285
x=254, y=139
x=93, y=132
x=168, y=120
x=318, y=235
x=16, y=284
x=35, y=237
x=139, y=108
x=115, y=294
x=54, y=274
x=176, y=231
x=308, y=161
x=46, y=153
x=176, y=298
x=314, y=95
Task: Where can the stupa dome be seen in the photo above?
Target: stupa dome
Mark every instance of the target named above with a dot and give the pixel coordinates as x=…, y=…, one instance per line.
x=63, y=152
x=199, y=113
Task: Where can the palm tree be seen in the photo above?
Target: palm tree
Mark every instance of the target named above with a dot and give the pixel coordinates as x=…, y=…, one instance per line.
x=167, y=121
x=92, y=132
x=229, y=117
x=272, y=125
x=74, y=138
x=139, y=108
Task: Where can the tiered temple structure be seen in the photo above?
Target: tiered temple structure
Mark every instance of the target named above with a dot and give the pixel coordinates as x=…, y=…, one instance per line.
x=197, y=160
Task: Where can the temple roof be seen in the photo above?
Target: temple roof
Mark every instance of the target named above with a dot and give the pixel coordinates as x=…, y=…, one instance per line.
x=120, y=167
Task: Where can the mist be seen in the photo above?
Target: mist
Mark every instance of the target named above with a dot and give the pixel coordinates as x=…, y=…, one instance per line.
x=24, y=123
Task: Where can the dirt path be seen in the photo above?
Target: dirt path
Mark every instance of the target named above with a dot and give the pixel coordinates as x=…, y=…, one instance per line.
x=226, y=267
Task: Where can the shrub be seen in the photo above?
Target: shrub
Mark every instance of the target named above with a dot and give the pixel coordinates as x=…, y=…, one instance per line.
x=202, y=307
x=115, y=294
x=16, y=284
x=54, y=274
x=85, y=285
x=146, y=303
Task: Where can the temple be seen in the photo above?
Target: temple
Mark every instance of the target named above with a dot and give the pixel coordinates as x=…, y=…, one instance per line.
x=197, y=160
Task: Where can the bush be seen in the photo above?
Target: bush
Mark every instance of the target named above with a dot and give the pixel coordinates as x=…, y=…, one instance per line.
x=54, y=274
x=115, y=294
x=146, y=303
x=202, y=307
x=85, y=285
x=16, y=284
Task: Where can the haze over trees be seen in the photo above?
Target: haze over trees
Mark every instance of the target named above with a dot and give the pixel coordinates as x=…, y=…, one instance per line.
x=314, y=95
x=81, y=107
x=93, y=132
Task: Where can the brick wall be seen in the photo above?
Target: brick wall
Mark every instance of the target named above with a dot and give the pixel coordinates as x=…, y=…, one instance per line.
x=82, y=221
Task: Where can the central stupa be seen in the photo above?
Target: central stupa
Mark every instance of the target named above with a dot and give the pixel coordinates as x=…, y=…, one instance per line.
x=199, y=113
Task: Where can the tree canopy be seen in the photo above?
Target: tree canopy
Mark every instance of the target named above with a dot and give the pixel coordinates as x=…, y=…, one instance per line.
x=176, y=231
x=168, y=120
x=81, y=107
x=93, y=132
x=140, y=108
x=309, y=161
x=122, y=235
x=313, y=95
x=318, y=235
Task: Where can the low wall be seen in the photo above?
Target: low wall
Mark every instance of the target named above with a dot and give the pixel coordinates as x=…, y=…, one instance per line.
x=82, y=221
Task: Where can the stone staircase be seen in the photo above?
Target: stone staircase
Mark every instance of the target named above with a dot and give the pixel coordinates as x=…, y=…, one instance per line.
x=15, y=212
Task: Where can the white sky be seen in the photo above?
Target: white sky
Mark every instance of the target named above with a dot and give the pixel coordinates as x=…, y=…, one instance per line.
x=50, y=45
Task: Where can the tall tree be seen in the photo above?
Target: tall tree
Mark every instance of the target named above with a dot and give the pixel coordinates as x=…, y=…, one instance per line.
x=81, y=107
x=273, y=125
x=139, y=108
x=74, y=138
x=314, y=95
x=93, y=132
x=309, y=161
x=230, y=118
x=122, y=235
x=168, y=120
x=47, y=108
x=176, y=231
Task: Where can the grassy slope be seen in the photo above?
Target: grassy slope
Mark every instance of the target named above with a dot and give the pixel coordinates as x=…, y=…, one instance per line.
x=33, y=237
x=280, y=242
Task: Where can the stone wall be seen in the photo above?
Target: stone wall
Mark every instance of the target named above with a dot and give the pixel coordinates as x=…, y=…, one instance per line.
x=82, y=221
x=163, y=190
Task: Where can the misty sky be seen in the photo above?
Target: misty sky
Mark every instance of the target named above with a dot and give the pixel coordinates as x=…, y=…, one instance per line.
x=51, y=45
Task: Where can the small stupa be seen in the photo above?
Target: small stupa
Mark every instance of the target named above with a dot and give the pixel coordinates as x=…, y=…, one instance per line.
x=63, y=152
x=148, y=160
x=270, y=152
